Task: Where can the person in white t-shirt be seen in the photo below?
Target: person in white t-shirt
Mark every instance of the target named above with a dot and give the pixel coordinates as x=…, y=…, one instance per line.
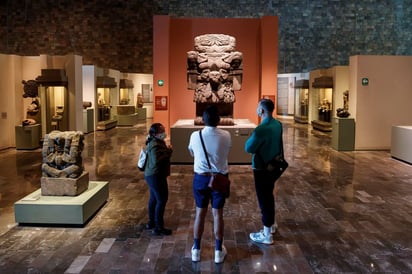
x=217, y=142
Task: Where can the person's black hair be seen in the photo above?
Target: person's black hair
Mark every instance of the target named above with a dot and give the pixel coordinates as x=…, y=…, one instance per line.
x=155, y=128
x=211, y=116
x=267, y=105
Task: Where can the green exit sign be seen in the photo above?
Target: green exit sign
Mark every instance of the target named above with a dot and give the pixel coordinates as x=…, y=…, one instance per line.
x=365, y=81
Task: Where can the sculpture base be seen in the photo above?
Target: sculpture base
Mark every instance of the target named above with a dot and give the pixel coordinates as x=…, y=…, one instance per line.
x=105, y=125
x=38, y=209
x=224, y=121
x=127, y=120
x=180, y=136
x=64, y=186
x=322, y=125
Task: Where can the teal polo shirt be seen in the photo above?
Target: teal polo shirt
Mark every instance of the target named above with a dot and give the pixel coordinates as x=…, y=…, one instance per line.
x=265, y=142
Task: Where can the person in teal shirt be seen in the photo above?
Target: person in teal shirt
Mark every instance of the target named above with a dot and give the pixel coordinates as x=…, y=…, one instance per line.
x=264, y=144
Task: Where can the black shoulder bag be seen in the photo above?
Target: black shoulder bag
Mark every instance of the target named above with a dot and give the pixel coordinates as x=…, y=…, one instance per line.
x=277, y=165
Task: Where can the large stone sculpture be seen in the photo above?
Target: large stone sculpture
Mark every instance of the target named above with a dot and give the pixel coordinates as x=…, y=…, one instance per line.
x=214, y=71
x=62, y=169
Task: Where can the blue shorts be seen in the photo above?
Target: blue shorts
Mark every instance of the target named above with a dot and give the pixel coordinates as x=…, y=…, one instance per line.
x=203, y=194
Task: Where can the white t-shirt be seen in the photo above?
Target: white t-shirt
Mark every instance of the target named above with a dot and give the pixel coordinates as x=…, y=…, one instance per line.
x=217, y=142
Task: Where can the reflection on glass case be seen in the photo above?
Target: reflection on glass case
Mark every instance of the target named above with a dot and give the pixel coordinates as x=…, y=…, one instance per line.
x=301, y=101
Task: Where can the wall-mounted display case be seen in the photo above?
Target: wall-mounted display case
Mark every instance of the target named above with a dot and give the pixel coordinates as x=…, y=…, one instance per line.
x=53, y=85
x=301, y=101
x=105, y=90
x=322, y=96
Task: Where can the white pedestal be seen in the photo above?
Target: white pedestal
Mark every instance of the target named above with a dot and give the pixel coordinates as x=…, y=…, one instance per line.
x=38, y=209
x=401, y=143
x=180, y=135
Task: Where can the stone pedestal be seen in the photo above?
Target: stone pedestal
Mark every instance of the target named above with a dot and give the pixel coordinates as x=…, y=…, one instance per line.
x=71, y=210
x=180, y=136
x=28, y=137
x=343, y=134
x=64, y=186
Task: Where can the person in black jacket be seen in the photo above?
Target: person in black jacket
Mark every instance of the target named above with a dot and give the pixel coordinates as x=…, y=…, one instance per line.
x=156, y=172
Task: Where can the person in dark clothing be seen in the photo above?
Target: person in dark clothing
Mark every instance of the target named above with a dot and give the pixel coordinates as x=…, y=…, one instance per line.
x=156, y=172
x=265, y=143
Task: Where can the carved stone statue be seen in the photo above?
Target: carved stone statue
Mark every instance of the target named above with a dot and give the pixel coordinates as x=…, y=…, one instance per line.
x=139, y=101
x=343, y=112
x=31, y=90
x=62, y=169
x=214, y=71
x=62, y=154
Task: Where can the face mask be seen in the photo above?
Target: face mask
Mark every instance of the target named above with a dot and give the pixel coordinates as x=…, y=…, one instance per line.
x=161, y=136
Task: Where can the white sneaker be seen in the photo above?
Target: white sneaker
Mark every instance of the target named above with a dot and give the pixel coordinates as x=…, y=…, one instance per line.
x=220, y=255
x=273, y=228
x=261, y=238
x=195, y=255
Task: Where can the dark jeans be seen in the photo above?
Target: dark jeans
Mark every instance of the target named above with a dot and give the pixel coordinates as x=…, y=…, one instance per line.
x=264, y=185
x=159, y=194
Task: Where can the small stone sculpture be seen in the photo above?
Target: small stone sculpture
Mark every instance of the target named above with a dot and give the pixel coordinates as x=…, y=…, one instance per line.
x=31, y=90
x=62, y=154
x=87, y=104
x=343, y=112
x=139, y=101
x=62, y=169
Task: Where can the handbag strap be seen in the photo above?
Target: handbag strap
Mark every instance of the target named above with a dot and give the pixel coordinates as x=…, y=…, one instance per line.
x=204, y=150
x=281, y=141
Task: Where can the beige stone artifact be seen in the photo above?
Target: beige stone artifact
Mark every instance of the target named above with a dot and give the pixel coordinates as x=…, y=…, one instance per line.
x=214, y=71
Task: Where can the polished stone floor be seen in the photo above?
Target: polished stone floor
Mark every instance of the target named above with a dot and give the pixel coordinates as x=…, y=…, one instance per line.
x=338, y=212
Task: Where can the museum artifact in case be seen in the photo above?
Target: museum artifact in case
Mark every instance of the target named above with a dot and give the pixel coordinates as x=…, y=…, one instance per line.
x=53, y=99
x=323, y=90
x=105, y=86
x=301, y=101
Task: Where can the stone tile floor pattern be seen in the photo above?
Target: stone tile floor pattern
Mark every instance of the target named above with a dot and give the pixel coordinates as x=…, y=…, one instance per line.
x=338, y=212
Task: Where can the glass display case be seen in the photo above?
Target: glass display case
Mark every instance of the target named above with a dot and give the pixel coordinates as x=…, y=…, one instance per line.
x=103, y=104
x=54, y=100
x=301, y=101
x=126, y=92
x=323, y=90
x=104, y=86
x=105, y=91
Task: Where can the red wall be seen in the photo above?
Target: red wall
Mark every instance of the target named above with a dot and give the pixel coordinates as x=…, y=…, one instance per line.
x=256, y=38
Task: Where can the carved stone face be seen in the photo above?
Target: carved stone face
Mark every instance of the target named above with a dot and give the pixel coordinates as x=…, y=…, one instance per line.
x=214, y=76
